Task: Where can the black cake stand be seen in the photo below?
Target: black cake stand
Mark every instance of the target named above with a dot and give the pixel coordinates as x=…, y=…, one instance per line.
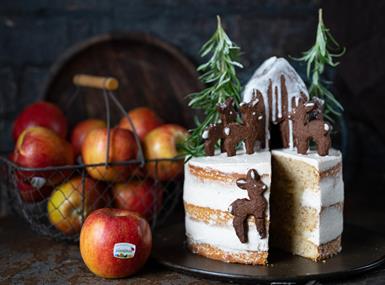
x=362, y=250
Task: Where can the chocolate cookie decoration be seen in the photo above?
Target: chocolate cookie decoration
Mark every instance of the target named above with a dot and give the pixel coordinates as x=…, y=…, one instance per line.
x=215, y=131
x=308, y=124
x=255, y=205
x=252, y=128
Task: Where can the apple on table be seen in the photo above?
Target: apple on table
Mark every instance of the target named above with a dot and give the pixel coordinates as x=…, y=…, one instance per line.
x=163, y=143
x=115, y=243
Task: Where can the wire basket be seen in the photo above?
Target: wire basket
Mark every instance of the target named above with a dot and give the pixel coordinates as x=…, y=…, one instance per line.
x=56, y=200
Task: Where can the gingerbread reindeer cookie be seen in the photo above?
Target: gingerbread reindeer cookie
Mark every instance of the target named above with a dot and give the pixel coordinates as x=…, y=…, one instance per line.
x=252, y=128
x=214, y=132
x=256, y=205
x=308, y=124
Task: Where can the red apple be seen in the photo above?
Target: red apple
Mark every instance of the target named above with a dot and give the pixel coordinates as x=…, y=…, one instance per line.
x=122, y=148
x=115, y=243
x=38, y=147
x=42, y=114
x=81, y=130
x=30, y=193
x=141, y=196
x=144, y=120
x=162, y=143
x=66, y=208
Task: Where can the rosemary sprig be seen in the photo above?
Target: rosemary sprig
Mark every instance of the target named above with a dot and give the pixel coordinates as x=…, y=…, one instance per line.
x=316, y=58
x=219, y=75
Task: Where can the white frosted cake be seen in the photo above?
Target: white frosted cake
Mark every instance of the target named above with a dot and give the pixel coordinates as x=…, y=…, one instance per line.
x=209, y=190
x=307, y=203
x=223, y=221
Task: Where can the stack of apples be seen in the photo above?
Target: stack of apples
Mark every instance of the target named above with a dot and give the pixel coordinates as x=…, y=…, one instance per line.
x=40, y=133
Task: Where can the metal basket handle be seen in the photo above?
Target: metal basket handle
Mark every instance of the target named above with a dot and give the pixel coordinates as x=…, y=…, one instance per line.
x=108, y=85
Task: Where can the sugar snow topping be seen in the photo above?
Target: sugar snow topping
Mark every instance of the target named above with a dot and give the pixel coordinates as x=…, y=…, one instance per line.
x=278, y=82
x=272, y=70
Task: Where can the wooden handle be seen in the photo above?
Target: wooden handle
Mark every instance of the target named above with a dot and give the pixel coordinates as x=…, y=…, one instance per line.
x=100, y=82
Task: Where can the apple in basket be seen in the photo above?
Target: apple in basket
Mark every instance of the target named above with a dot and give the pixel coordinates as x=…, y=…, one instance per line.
x=31, y=192
x=141, y=196
x=115, y=243
x=42, y=114
x=66, y=208
x=162, y=143
x=144, y=120
x=38, y=147
x=122, y=147
x=81, y=130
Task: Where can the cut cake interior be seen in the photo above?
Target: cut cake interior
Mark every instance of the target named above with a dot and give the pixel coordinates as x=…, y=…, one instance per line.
x=307, y=203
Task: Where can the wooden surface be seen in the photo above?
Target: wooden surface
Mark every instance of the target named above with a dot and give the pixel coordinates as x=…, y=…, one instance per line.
x=150, y=73
x=26, y=258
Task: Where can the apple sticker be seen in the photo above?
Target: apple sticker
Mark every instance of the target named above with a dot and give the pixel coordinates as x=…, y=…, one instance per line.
x=124, y=250
x=38, y=182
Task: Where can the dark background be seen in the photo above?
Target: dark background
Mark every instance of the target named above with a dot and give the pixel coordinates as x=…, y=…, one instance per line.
x=33, y=34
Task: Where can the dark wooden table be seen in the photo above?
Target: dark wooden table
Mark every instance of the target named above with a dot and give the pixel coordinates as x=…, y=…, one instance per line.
x=27, y=258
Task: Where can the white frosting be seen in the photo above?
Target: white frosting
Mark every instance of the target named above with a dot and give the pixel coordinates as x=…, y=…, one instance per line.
x=224, y=237
x=239, y=163
x=329, y=228
x=331, y=224
x=329, y=192
x=272, y=69
x=321, y=163
x=214, y=194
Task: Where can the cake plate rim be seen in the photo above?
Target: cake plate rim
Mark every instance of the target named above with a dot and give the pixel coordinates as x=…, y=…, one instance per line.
x=160, y=256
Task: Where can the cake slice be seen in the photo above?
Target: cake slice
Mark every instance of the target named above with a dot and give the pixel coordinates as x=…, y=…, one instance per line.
x=307, y=203
x=210, y=188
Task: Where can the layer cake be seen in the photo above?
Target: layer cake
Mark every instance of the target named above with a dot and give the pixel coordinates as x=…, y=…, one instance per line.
x=306, y=185
x=307, y=203
x=209, y=190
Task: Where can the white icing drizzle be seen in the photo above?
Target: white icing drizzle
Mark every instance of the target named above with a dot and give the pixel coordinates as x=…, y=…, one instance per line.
x=311, y=104
x=205, y=135
x=279, y=106
x=297, y=101
x=273, y=109
x=289, y=109
x=271, y=71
